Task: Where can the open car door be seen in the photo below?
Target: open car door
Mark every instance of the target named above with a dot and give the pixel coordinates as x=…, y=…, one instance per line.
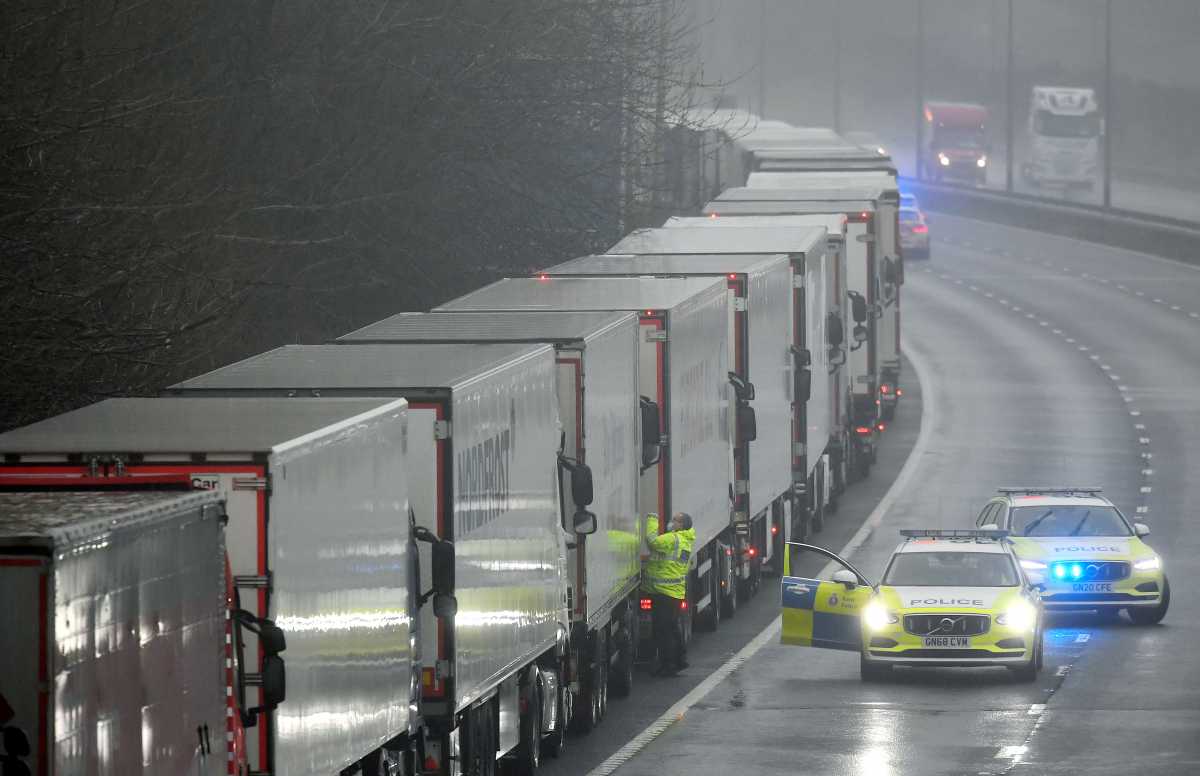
x=822, y=612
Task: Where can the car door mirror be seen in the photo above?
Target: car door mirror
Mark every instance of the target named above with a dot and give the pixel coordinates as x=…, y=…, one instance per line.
x=846, y=578
x=858, y=307
x=1141, y=529
x=1037, y=580
x=989, y=527
x=651, y=434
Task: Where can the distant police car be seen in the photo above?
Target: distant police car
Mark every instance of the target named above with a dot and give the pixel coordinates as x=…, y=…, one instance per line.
x=948, y=598
x=1082, y=548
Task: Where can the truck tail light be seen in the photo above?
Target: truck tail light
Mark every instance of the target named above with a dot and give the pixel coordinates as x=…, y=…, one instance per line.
x=683, y=605
x=863, y=430
x=920, y=229
x=646, y=604
x=882, y=427
x=885, y=389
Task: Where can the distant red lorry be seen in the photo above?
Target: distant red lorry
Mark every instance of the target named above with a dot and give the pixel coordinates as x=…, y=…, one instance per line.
x=955, y=142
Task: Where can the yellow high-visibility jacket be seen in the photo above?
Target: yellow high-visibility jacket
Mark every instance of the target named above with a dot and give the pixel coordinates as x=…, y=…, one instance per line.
x=666, y=570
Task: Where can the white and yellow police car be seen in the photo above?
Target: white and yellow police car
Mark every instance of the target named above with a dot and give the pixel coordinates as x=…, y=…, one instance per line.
x=947, y=598
x=1083, y=550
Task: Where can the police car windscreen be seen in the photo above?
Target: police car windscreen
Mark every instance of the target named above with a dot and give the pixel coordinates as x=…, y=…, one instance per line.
x=1068, y=521
x=951, y=569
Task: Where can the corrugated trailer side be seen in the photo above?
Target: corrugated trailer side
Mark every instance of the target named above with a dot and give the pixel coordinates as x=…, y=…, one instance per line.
x=124, y=630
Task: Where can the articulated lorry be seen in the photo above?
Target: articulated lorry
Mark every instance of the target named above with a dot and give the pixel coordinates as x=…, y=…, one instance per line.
x=601, y=410
x=319, y=539
x=954, y=142
x=686, y=325
x=485, y=452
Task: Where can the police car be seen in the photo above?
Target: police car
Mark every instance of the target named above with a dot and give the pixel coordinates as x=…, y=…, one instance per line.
x=947, y=598
x=1085, y=552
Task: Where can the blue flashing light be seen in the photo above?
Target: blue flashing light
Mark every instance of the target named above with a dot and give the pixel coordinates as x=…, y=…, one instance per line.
x=1076, y=571
x=1060, y=571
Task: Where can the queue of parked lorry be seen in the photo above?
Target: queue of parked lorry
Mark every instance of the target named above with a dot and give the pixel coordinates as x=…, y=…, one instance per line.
x=417, y=548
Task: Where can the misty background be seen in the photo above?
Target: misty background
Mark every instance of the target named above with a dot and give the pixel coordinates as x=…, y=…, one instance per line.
x=186, y=183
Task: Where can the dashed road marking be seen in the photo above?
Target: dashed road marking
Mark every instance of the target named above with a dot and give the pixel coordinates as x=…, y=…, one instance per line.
x=1135, y=413
x=1011, y=752
x=1139, y=426
x=1062, y=671
x=1082, y=638
x=1147, y=472
x=1143, y=440
x=1036, y=708
x=1143, y=510
x=1145, y=489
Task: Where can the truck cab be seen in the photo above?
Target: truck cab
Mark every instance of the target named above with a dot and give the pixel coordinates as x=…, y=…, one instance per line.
x=955, y=142
x=1064, y=137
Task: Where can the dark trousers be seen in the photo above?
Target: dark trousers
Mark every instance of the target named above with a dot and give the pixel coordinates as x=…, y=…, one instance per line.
x=668, y=632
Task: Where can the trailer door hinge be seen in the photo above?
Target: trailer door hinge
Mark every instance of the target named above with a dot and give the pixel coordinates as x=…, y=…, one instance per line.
x=797, y=281
x=799, y=449
x=741, y=487
x=866, y=237
x=739, y=304
x=656, y=335
x=256, y=581
x=252, y=483
x=442, y=670
x=441, y=429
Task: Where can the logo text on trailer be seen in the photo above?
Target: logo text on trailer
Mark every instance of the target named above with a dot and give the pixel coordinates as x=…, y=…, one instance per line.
x=483, y=480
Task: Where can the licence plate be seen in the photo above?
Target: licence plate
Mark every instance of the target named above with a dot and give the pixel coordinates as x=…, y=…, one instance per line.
x=948, y=642
x=1091, y=587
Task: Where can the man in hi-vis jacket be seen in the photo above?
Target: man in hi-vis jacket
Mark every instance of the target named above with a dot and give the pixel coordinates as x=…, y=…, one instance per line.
x=665, y=579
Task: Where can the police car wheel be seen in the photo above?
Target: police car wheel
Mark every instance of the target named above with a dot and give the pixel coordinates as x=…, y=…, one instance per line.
x=1147, y=616
x=1029, y=671
x=872, y=672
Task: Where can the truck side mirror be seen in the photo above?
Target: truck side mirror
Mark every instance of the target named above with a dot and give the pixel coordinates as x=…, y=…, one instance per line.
x=582, y=492
x=651, y=435
x=835, y=334
x=584, y=523
x=876, y=311
x=860, y=334
x=442, y=568
x=444, y=605
x=271, y=638
x=802, y=386
x=837, y=357
x=742, y=389
x=16, y=744
x=891, y=273
x=858, y=306
x=274, y=682
x=747, y=423
x=801, y=356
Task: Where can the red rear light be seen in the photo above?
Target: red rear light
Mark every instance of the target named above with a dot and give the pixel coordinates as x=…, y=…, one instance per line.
x=732, y=276
x=863, y=430
x=774, y=530
x=920, y=229
x=728, y=551
x=899, y=392
x=646, y=604
x=712, y=215
x=885, y=388
x=543, y=278
x=683, y=605
x=882, y=427
x=752, y=551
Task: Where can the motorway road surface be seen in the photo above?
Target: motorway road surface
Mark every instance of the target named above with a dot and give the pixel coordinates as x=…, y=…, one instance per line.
x=1046, y=360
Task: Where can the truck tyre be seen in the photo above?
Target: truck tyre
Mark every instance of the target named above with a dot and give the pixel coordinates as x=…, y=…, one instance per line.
x=620, y=683
x=593, y=696
x=529, y=751
x=710, y=619
x=481, y=752
x=1147, y=616
x=729, y=595
x=554, y=743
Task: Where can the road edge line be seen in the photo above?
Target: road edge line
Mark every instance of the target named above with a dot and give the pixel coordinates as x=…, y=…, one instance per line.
x=677, y=711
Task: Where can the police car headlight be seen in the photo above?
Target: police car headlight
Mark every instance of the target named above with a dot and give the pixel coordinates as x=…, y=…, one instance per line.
x=944, y=160
x=981, y=161
x=1021, y=616
x=877, y=617
x=1033, y=565
x=1149, y=564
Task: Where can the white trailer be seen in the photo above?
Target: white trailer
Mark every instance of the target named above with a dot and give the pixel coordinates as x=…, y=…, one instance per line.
x=683, y=362
x=818, y=282
x=598, y=404
x=760, y=379
x=319, y=539
x=484, y=446
x=113, y=620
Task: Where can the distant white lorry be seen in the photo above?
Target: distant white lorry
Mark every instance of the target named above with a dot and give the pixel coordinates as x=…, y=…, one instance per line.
x=1064, y=128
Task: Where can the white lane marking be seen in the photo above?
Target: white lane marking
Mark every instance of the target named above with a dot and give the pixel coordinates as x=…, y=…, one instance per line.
x=1135, y=413
x=1127, y=399
x=1082, y=638
x=1140, y=293
x=1145, y=489
x=1194, y=315
x=1123, y=288
x=1036, y=708
x=1143, y=510
x=1121, y=388
x=1139, y=426
x=1175, y=307
x=1057, y=331
x=1071, y=340
x=1147, y=456
x=1143, y=440
x=1011, y=752
x=1062, y=671
x=1083, y=348
x=1147, y=472
x=1094, y=357
x=929, y=407
x=1158, y=301
x=1105, y=367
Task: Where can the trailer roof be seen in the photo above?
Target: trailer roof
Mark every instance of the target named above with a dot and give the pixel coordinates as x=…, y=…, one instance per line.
x=824, y=180
x=855, y=191
x=553, y=327
x=774, y=164
x=752, y=239
x=734, y=208
x=574, y=294
x=844, y=153
x=669, y=264
x=47, y=517
x=179, y=425
x=833, y=223
x=363, y=367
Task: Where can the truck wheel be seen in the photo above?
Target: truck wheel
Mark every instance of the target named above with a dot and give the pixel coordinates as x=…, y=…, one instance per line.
x=710, y=619
x=529, y=752
x=554, y=743
x=620, y=683
x=729, y=597
x=1143, y=616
